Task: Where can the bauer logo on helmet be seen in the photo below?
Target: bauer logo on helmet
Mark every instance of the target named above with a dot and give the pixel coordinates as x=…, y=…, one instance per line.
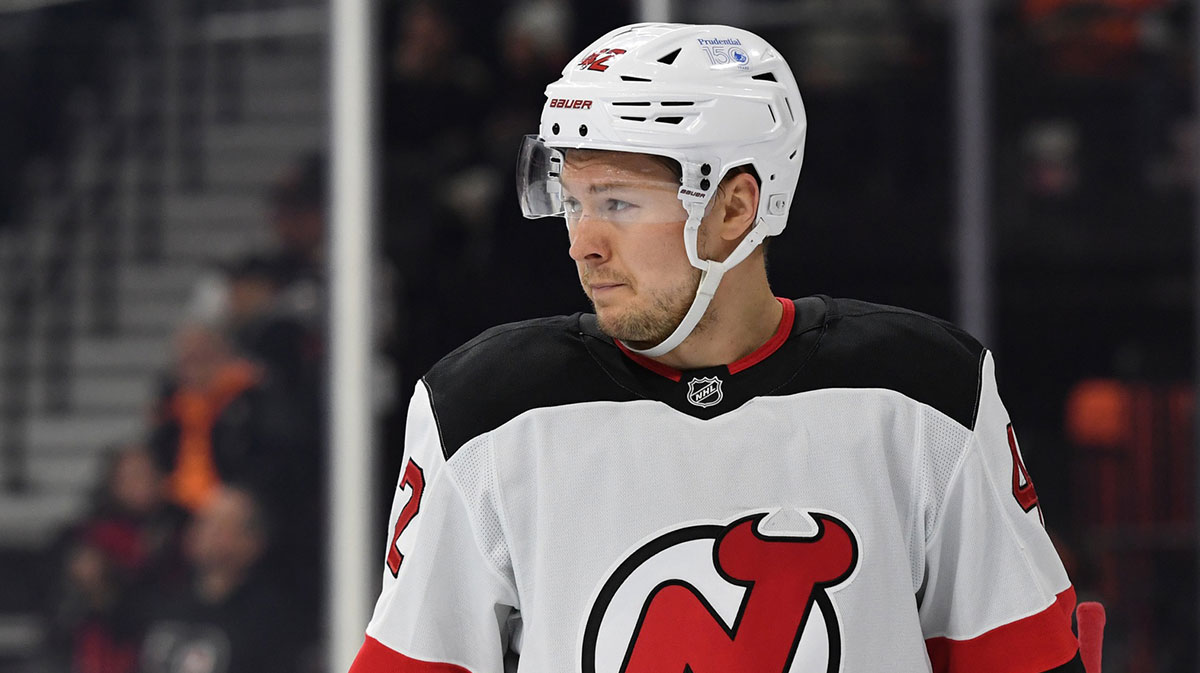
x=571, y=103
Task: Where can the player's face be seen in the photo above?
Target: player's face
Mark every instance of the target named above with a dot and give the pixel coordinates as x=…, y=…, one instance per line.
x=625, y=223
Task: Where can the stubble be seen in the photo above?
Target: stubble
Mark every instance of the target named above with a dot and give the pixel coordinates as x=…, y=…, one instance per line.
x=645, y=321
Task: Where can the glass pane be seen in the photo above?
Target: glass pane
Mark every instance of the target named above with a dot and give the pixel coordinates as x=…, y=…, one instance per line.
x=1094, y=222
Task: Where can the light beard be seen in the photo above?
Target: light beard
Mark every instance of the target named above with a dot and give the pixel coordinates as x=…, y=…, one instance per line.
x=646, y=326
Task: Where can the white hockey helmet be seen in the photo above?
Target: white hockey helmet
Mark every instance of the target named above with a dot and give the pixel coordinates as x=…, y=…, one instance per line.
x=712, y=98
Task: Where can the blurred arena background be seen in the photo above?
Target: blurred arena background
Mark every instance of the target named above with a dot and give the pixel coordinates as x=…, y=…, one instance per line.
x=165, y=276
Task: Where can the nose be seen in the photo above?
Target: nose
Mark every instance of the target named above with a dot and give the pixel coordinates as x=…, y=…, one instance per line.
x=589, y=239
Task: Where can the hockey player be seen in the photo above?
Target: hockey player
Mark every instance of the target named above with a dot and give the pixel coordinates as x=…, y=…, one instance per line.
x=700, y=476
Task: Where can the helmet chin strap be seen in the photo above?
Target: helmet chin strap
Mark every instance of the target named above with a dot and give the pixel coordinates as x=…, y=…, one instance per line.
x=709, y=280
x=712, y=272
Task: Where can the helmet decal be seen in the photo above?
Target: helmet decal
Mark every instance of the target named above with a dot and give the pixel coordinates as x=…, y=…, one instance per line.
x=724, y=51
x=598, y=61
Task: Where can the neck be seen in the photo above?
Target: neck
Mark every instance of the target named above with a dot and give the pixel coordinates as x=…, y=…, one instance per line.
x=743, y=316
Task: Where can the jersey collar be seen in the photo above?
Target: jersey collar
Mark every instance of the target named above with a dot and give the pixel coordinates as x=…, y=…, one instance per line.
x=761, y=353
x=712, y=391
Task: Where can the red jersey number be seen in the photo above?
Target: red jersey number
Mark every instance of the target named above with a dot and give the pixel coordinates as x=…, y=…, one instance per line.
x=414, y=481
x=599, y=60
x=1022, y=485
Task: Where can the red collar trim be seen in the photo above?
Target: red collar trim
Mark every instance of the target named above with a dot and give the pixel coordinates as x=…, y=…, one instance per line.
x=653, y=365
x=762, y=353
x=781, y=335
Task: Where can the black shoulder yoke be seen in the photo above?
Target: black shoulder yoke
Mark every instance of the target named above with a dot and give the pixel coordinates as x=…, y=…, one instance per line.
x=509, y=370
x=834, y=343
x=924, y=358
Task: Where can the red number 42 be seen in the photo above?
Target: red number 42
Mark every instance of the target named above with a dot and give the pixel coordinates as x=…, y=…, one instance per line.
x=1022, y=485
x=599, y=60
x=414, y=481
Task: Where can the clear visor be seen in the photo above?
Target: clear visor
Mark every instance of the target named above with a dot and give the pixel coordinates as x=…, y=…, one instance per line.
x=539, y=168
x=619, y=187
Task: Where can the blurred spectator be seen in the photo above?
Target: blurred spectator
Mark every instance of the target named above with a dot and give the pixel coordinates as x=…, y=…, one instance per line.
x=267, y=326
x=261, y=422
x=128, y=545
x=253, y=287
x=93, y=630
x=232, y=617
x=277, y=301
x=294, y=269
x=282, y=338
x=223, y=419
x=273, y=302
x=134, y=519
x=201, y=431
x=298, y=220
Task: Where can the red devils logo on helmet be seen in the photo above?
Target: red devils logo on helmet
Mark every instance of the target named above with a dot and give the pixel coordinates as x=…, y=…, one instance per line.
x=724, y=599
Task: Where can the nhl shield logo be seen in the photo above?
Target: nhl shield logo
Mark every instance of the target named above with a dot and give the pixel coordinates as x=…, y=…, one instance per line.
x=705, y=392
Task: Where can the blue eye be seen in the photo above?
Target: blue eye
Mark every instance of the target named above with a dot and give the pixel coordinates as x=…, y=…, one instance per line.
x=572, y=206
x=617, y=205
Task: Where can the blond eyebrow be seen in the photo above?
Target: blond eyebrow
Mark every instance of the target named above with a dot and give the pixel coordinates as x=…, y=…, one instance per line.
x=602, y=187
x=608, y=186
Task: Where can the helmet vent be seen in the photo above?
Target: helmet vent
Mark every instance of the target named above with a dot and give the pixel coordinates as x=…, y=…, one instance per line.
x=631, y=78
x=634, y=119
x=669, y=59
x=639, y=103
x=792, y=155
x=765, y=76
x=669, y=120
x=789, y=105
x=676, y=103
x=771, y=109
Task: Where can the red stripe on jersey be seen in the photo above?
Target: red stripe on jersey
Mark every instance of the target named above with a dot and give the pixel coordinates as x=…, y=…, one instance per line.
x=375, y=657
x=781, y=335
x=761, y=353
x=1031, y=645
x=653, y=365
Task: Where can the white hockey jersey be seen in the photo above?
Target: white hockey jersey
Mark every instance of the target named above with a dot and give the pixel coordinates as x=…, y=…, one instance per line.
x=849, y=498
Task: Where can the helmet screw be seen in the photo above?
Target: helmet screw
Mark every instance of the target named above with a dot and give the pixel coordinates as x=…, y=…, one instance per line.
x=705, y=169
x=704, y=184
x=554, y=129
x=583, y=129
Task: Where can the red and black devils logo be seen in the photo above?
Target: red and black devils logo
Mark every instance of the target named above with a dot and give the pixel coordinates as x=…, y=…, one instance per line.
x=724, y=599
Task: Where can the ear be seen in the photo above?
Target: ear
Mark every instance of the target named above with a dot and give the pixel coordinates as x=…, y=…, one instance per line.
x=740, y=200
